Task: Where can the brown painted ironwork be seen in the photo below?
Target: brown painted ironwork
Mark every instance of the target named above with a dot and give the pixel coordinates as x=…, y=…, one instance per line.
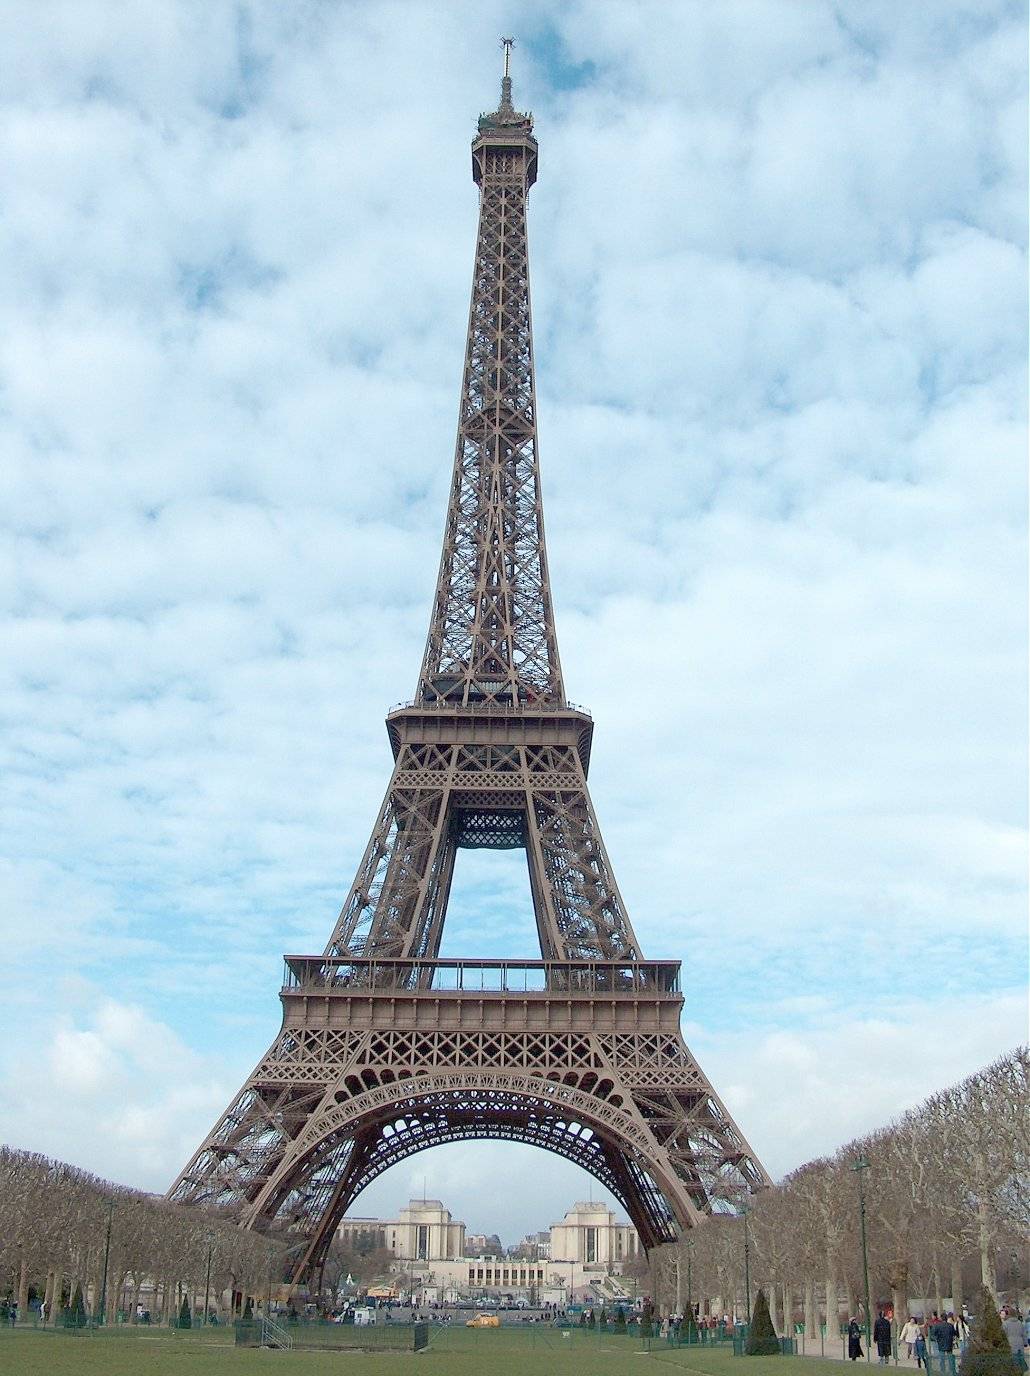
x=385, y=1049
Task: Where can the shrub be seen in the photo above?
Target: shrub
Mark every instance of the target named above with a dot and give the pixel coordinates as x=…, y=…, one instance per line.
x=185, y=1318
x=988, y=1353
x=75, y=1314
x=761, y=1339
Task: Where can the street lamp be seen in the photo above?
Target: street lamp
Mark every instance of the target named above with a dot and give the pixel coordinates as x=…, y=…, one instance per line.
x=102, y=1310
x=690, y=1297
x=207, y=1279
x=860, y=1166
x=747, y=1266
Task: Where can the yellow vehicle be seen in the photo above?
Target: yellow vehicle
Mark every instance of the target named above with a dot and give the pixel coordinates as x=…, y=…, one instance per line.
x=483, y=1321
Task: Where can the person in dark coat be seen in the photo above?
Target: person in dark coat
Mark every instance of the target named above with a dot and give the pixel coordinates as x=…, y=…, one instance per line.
x=882, y=1338
x=854, y=1341
x=944, y=1333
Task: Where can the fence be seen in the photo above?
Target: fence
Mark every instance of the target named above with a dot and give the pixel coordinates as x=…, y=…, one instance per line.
x=319, y=1336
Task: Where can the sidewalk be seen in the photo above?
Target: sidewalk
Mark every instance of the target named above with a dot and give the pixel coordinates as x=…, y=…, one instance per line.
x=837, y=1352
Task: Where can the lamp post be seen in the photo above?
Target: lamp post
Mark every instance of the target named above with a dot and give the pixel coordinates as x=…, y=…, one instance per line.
x=102, y=1309
x=747, y=1266
x=860, y=1166
x=690, y=1296
x=207, y=1278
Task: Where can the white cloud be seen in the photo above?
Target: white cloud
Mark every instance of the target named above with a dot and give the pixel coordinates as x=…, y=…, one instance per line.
x=112, y=1089
x=808, y=1089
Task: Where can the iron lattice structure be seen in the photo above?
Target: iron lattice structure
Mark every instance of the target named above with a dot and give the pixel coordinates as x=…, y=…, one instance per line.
x=386, y=1050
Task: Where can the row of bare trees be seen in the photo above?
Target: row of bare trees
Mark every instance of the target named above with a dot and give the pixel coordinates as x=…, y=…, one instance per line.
x=946, y=1190
x=58, y=1223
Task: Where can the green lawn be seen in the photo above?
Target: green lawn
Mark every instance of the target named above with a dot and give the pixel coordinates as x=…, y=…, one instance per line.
x=493, y=1352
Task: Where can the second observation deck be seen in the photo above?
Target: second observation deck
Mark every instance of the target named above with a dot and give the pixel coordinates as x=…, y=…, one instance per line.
x=592, y=978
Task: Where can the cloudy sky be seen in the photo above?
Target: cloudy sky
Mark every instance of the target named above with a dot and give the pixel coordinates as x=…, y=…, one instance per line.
x=779, y=296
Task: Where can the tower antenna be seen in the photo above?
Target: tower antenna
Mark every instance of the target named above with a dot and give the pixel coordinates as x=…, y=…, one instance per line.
x=506, y=106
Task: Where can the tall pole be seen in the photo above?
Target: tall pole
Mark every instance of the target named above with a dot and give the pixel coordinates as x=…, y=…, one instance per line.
x=207, y=1278
x=690, y=1293
x=102, y=1310
x=747, y=1267
x=860, y=1166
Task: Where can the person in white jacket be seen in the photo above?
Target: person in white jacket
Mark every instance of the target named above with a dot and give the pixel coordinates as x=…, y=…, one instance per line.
x=909, y=1334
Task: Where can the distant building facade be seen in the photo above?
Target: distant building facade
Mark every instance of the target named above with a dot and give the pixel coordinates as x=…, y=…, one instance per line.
x=435, y=1259
x=591, y=1235
x=362, y=1234
x=424, y=1231
x=534, y=1246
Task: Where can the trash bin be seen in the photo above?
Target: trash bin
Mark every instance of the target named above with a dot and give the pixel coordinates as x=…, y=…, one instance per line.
x=788, y=1347
x=739, y=1340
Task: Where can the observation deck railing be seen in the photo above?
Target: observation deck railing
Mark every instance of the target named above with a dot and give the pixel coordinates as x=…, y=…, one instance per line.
x=489, y=709
x=340, y=974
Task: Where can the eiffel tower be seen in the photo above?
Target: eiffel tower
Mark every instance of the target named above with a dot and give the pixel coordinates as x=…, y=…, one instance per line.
x=385, y=1049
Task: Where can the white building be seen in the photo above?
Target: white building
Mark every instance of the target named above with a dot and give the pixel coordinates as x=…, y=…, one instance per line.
x=535, y=1246
x=424, y=1231
x=578, y=1258
x=591, y=1235
x=362, y=1233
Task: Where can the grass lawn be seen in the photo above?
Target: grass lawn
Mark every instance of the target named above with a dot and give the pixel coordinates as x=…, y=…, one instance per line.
x=493, y=1352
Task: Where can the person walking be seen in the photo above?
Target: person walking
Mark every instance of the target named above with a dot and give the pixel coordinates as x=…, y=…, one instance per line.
x=1016, y=1334
x=933, y=1323
x=946, y=1335
x=882, y=1338
x=854, y=1341
x=919, y=1348
x=909, y=1334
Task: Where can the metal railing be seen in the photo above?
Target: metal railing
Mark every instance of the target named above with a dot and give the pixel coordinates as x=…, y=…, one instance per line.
x=321, y=974
x=274, y=1335
x=490, y=709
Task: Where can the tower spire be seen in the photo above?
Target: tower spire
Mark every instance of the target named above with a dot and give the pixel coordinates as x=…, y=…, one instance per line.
x=506, y=106
x=505, y=115
x=491, y=636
